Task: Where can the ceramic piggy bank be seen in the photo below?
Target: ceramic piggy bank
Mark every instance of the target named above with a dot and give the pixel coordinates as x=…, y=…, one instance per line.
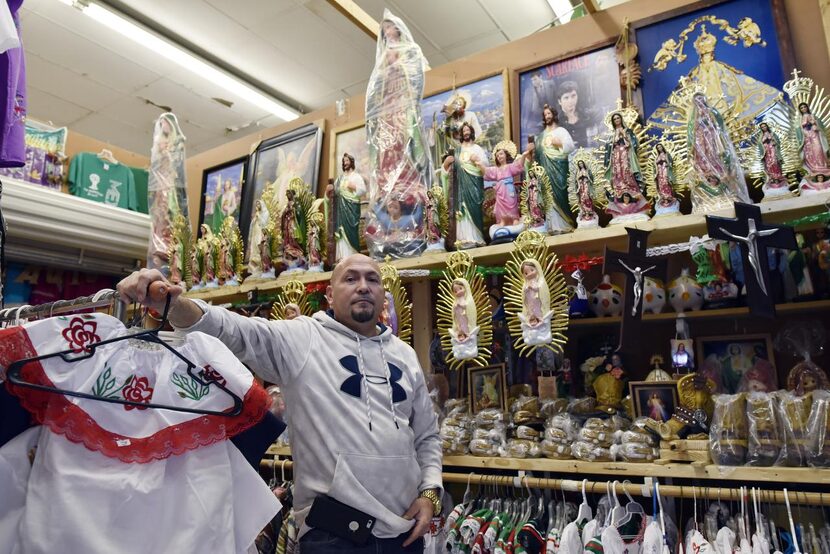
x=654, y=295
x=606, y=299
x=685, y=294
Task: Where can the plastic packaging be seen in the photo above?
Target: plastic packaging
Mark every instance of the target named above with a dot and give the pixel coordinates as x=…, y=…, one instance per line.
x=552, y=407
x=818, y=446
x=489, y=417
x=728, y=432
x=401, y=169
x=805, y=339
x=793, y=415
x=521, y=448
x=598, y=432
x=764, y=444
x=526, y=432
x=634, y=452
x=456, y=429
x=591, y=453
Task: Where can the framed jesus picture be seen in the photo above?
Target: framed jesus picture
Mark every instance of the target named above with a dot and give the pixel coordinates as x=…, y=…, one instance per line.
x=738, y=363
x=582, y=89
x=654, y=399
x=222, y=193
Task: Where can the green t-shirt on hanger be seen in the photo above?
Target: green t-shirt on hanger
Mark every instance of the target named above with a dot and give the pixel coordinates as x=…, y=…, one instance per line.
x=95, y=179
x=140, y=177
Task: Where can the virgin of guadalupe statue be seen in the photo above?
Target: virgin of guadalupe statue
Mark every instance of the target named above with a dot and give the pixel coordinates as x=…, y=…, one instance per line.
x=398, y=151
x=533, y=199
x=768, y=146
x=812, y=145
x=464, y=330
x=584, y=178
x=716, y=169
x=665, y=180
x=536, y=315
x=436, y=219
x=388, y=315
x=208, y=246
x=292, y=250
x=626, y=202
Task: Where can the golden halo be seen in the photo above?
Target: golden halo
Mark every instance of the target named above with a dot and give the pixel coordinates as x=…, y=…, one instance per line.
x=629, y=117
x=508, y=146
x=465, y=95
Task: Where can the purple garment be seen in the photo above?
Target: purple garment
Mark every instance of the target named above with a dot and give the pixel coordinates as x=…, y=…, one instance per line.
x=13, y=101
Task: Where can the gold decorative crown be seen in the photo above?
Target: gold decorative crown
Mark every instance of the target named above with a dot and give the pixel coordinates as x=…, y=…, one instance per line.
x=529, y=239
x=459, y=263
x=508, y=146
x=293, y=292
x=705, y=43
x=798, y=88
x=388, y=273
x=297, y=185
x=629, y=115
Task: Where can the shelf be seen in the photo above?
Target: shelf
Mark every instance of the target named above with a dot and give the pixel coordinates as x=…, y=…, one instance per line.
x=803, y=475
x=789, y=308
x=666, y=230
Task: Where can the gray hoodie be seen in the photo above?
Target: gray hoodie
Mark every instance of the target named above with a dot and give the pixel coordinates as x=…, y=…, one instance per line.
x=363, y=430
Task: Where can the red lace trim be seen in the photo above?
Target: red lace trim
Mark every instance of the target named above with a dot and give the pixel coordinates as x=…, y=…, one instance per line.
x=66, y=418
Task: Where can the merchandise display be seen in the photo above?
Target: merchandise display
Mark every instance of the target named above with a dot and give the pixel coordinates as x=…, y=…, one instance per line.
x=376, y=307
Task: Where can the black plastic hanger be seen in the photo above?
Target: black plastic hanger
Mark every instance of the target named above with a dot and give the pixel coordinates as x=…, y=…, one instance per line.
x=150, y=335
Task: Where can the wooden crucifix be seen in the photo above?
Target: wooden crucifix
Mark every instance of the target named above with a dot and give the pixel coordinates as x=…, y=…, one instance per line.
x=636, y=266
x=753, y=238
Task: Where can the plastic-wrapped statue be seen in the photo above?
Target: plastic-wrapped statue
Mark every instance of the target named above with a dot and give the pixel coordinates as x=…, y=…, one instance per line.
x=167, y=187
x=719, y=178
x=552, y=148
x=349, y=190
x=622, y=173
x=769, y=151
x=469, y=165
x=506, y=170
x=436, y=219
x=400, y=162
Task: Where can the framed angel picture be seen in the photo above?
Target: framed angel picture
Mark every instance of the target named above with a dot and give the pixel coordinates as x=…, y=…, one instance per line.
x=278, y=160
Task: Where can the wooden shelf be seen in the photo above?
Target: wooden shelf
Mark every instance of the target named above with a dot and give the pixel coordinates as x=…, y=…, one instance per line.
x=666, y=230
x=789, y=308
x=803, y=475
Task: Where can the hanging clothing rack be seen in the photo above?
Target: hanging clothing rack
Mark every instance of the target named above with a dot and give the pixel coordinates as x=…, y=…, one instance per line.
x=101, y=299
x=645, y=489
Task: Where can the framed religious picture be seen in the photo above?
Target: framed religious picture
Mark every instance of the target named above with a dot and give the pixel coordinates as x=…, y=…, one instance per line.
x=582, y=89
x=483, y=103
x=654, y=399
x=739, y=363
x=277, y=161
x=223, y=188
x=350, y=139
x=682, y=355
x=738, y=49
x=487, y=388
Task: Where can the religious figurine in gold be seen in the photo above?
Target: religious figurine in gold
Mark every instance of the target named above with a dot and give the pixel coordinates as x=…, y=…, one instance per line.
x=583, y=193
x=436, y=219
x=464, y=313
x=771, y=167
x=209, y=246
x=234, y=250
x=661, y=178
x=316, y=234
x=536, y=295
x=291, y=302
x=397, y=309
x=181, y=270
x=536, y=196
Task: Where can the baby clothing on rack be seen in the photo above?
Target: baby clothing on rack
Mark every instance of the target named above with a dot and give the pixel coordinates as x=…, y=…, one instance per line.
x=121, y=478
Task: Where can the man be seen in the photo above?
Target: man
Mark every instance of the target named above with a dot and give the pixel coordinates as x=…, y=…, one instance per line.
x=349, y=190
x=580, y=124
x=363, y=429
x=470, y=222
x=540, y=92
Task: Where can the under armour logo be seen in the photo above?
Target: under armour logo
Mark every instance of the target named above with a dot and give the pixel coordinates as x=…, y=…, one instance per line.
x=352, y=384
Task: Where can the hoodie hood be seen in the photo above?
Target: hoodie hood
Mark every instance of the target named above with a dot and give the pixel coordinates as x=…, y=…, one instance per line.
x=327, y=319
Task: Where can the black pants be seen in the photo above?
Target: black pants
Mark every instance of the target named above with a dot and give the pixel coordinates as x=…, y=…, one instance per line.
x=317, y=541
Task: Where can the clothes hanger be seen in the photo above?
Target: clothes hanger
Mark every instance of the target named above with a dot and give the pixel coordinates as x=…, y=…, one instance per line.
x=632, y=507
x=792, y=523
x=15, y=369
x=107, y=155
x=584, y=513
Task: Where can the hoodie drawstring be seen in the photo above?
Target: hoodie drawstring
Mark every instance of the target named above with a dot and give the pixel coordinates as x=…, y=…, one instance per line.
x=389, y=386
x=360, y=366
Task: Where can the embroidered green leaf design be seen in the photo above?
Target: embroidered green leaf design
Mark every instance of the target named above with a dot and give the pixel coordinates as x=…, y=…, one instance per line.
x=106, y=386
x=189, y=387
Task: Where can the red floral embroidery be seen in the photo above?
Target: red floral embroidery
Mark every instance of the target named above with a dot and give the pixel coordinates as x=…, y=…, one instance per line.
x=138, y=390
x=80, y=334
x=210, y=374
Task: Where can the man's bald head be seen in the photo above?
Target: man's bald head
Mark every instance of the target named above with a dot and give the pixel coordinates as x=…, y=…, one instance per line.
x=356, y=293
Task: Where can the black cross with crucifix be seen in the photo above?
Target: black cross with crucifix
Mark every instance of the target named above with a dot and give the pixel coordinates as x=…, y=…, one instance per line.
x=753, y=238
x=636, y=266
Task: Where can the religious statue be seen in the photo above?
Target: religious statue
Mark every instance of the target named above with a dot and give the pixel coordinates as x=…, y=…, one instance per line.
x=812, y=145
x=536, y=295
x=582, y=191
x=637, y=274
x=315, y=235
x=181, y=269
x=197, y=264
x=578, y=305
x=292, y=311
x=469, y=174
x=506, y=171
x=768, y=150
x=259, y=224
x=235, y=250
x=398, y=151
x=292, y=251
x=349, y=190
x=209, y=248
x=397, y=308
x=457, y=110
x=291, y=302
x=398, y=228
x=662, y=181
x=464, y=313
x=624, y=189
x=436, y=220
x=535, y=197
x=551, y=153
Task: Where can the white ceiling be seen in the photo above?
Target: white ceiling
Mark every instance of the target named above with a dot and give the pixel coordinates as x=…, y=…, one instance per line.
x=89, y=78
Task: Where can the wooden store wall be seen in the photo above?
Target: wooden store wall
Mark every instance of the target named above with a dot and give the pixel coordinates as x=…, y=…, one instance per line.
x=804, y=17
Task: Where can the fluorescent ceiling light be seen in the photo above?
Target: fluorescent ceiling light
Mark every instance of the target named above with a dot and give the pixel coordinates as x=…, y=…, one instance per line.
x=562, y=9
x=185, y=59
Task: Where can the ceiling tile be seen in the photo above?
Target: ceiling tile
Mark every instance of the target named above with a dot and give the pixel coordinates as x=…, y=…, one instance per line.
x=105, y=129
x=458, y=20
x=73, y=87
x=45, y=106
x=134, y=112
x=519, y=18
x=474, y=45
x=250, y=12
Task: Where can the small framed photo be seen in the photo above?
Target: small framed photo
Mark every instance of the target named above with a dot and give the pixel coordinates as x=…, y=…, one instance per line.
x=654, y=399
x=738, y=363
x=487, y=388
x=682, y=355
x=222, y=194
